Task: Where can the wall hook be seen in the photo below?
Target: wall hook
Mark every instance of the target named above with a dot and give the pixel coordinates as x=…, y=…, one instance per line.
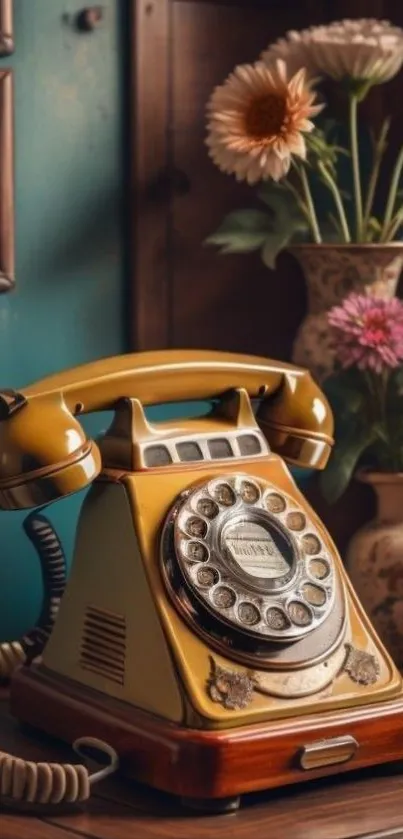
x=90, y=18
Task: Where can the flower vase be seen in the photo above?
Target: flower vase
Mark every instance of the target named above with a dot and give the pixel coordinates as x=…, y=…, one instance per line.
x=374, y=561
x=332, y=272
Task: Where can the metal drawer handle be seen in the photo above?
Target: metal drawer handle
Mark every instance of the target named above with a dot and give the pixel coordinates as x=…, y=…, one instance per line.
x=327, y=752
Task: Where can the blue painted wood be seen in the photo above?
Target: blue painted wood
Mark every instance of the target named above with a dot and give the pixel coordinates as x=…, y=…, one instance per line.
x=68, y=304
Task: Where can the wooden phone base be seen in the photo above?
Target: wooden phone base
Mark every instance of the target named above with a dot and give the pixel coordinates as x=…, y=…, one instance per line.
x=209, y=769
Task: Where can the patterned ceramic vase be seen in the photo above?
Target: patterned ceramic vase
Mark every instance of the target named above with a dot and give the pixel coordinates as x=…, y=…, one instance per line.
x=374, y=562
x=331, y=273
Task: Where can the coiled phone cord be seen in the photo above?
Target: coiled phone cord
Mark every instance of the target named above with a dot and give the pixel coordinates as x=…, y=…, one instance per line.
x=30, y=785
x=25, y=784
x=54, y=576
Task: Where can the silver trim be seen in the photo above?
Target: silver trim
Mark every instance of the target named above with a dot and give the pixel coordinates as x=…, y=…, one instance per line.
x=262, y=592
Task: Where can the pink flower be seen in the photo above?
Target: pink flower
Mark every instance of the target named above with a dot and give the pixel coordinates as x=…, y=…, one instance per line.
x=368, y=332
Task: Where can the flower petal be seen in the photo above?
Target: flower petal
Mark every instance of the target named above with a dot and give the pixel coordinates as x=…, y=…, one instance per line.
x=363, y=49
x=257, y=120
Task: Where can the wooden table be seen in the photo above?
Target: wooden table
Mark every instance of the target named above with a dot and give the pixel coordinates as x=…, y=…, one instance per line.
x=368, y=804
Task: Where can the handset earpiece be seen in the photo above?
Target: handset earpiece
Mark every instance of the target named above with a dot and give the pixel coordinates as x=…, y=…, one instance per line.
x=45, y=453
x=297, y=421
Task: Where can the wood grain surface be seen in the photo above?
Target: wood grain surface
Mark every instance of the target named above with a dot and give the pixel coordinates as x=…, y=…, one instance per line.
x=363, y=804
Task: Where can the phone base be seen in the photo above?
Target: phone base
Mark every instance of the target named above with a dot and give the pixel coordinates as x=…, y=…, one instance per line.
x=197, y=764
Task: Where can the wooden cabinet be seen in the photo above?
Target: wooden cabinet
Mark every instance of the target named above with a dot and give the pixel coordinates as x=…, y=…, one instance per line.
x=183, y=293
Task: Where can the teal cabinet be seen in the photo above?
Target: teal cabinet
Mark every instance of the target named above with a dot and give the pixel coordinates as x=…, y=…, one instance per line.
x=68, y=305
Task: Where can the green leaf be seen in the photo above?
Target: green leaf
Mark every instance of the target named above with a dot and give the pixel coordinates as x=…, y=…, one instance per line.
x=343, y=462
x=375, y=225
x=274, y=243
x=394, y=410
x=241, y=231
x=381, y=433
x=267, y=189
x=301, y=234
x=280, y=205
x=348, y=380
x=396, y=380
x=331, y=230
x=239, y=242
x=251, y=220
x=329, y=124
x=351, y=403
x=283, y=205
x=342, y=150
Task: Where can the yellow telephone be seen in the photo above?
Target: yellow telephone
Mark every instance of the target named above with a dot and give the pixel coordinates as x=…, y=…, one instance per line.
x=208, y=632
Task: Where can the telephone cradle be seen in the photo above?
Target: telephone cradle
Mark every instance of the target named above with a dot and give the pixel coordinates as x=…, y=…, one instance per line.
x=208, y=633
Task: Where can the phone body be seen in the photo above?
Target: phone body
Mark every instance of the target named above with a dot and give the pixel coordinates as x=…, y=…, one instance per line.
x=208, y=631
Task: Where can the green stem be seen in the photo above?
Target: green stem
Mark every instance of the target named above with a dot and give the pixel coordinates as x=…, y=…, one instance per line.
x=390, y=204
x=302, y=206
x=387, y=439
x=373, y=181
x=382, y=398
x=309, y=204
x=355, y=159
x=336, y=224
x=396, y=222
x=331, y=184
x=378, y=384
x=374, y=402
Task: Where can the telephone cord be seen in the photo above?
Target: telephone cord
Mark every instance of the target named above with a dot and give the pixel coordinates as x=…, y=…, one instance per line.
x=26, y=784
x=52, y=560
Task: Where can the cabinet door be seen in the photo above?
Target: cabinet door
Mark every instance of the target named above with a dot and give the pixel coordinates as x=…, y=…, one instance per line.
x=184, y=293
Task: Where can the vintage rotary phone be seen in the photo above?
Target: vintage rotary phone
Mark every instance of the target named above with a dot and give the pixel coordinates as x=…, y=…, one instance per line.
x=208, y=632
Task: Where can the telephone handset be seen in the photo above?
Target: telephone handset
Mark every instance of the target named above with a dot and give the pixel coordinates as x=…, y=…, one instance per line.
x=47, y=455
x=208, y=632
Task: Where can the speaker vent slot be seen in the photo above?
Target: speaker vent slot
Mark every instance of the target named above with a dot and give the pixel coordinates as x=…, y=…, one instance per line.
x=103, y=645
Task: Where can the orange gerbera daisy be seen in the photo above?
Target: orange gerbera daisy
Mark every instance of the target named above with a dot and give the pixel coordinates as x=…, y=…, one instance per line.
x=256, y=121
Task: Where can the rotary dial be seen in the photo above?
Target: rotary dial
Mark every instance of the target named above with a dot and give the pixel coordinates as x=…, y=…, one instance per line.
x=251, y=556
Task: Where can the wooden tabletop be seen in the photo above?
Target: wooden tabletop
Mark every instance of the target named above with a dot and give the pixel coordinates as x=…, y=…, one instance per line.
x=369, y=804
